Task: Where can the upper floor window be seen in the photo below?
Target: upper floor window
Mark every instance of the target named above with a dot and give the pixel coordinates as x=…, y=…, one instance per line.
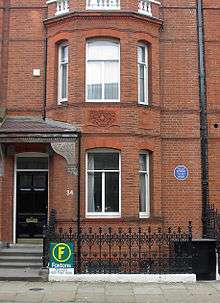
x=144, y=185
x=142, y=74
x=145, y=7
x=62, y=7
x=103, y=183
x=102, y=71
x=62, y=73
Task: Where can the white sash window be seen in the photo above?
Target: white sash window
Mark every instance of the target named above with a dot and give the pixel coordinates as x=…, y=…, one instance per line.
x=63, y=73
x=142, y=74
x=102, y=71
x=144, y=185
x=103, y=183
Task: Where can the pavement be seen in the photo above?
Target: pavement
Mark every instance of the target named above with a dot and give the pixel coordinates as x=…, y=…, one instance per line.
x=46, y=292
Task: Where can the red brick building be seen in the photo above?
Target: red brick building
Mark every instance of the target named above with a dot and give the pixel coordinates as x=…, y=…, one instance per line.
x=100, y=102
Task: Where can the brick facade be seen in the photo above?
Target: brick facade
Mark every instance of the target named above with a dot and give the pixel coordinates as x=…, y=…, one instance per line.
x=169, y=127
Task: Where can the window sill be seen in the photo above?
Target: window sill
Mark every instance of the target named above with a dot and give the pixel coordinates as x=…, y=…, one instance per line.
x=103, y=216
x=103, y=101
x=144, y=216
x=143, y=104
x=62, y=103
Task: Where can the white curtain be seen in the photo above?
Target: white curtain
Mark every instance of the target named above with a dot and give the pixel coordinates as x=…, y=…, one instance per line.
x=94, y=80
x=102, y=70
x=111, y=79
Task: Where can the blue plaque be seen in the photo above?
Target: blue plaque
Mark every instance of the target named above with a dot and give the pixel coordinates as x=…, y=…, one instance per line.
x=181, y=172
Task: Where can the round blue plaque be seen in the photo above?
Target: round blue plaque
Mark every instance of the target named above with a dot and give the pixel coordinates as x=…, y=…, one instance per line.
x=181, y=172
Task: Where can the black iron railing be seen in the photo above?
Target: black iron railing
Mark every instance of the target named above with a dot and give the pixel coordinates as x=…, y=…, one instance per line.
x=125, y=251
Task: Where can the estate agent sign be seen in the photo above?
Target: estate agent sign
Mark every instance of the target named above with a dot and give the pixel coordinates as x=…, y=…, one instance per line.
x=61, y=259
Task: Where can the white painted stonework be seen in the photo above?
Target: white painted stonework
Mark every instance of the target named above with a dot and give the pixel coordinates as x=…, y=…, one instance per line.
x=178, y=278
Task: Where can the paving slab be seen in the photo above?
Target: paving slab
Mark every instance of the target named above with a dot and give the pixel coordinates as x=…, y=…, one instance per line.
x=96, y=297
x=150, y=299
x=121, y=299
x=7, y=297
x=60, y=296
x=90, y=290
x=148, y=290
x=29, y=297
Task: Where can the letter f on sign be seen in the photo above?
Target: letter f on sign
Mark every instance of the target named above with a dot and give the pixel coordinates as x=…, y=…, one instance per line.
x=60, y=252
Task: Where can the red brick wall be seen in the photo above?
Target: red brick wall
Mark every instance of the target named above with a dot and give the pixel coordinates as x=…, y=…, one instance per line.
x=169, y=127
x=25, y=53
x=180, y=124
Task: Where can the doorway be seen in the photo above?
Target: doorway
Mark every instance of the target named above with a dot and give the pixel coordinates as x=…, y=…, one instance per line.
x=31, y=207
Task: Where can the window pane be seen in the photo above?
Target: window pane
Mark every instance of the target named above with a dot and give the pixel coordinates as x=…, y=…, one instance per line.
x=142, y=162
x=94, y=192
x=142, y=83
x=64, y=53
x=111, y=79
x=64, y=81
x=142, y=193
x=103, y=161
x=112, y=192
x=142, y=54
x=32, y=163
x=94, y=80
x=103, y=50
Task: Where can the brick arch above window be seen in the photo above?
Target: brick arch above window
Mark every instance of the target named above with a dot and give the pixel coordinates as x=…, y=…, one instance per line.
x=60, y=37
x=109, y=143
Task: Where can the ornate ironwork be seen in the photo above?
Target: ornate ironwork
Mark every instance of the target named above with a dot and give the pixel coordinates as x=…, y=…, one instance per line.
x=107, y=250
x=212, y=222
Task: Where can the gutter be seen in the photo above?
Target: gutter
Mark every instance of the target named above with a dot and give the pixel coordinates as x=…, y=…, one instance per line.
x=203, y=114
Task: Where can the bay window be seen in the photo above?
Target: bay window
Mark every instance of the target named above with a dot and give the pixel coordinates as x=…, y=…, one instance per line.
x=103, y=183
x=142, y=74
x=102, y=71
x=144, y=184
x=62, y=73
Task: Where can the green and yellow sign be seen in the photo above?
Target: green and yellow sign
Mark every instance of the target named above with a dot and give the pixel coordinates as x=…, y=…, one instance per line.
x=62, y=255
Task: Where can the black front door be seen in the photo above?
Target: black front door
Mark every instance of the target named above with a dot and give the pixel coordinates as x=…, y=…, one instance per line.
x=32, y=201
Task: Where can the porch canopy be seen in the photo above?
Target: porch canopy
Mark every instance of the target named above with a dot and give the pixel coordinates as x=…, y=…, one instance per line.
x=60, y=135
x=36, y=130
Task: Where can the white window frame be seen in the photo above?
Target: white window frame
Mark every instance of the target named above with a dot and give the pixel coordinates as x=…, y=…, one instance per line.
x=119, y=73
x=146, y=173
x=103, y=214
x=60, y=66
x=146, y=75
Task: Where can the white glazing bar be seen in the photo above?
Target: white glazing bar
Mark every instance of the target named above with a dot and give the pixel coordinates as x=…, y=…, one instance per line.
x=145, y=7
x=103, y=4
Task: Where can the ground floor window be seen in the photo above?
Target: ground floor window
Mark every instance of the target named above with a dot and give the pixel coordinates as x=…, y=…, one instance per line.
x=103, y=183
x=144, y=191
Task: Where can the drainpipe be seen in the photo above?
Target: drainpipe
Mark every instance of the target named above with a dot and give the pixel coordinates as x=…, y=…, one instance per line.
x=45, y=79
x=203, y=114
x=45, y=68
x=78, y=203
